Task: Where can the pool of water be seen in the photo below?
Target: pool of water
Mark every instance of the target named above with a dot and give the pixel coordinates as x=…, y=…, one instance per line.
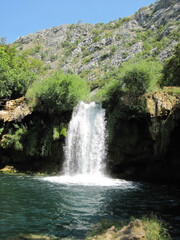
x=40, y=206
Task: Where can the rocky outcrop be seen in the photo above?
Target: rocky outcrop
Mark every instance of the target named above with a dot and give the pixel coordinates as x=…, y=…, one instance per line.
x=144, y=145
x=160, y=104
x=158, y=14
x=133, y=231
x=15, y=110
x=92, y=49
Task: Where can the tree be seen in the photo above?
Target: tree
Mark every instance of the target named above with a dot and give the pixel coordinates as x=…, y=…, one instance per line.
x=171, y=73
x=137, y=81
x=57, y=93
x=17, y=72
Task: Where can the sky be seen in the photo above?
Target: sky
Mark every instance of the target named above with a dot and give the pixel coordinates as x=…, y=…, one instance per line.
x=21, y=17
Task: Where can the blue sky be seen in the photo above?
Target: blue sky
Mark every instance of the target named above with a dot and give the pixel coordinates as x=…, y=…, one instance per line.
x=21, y=17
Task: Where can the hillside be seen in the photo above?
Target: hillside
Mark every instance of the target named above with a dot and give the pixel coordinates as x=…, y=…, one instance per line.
x=92, y=49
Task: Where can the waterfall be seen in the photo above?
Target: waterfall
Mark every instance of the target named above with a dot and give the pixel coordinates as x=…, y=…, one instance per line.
x=85, y=142
x=85, y=149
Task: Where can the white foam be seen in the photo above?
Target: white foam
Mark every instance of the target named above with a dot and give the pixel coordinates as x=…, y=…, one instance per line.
x=90, y=180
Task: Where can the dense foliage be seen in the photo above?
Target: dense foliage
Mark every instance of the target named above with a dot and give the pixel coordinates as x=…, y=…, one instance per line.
x=134, y=77
x=137, y=81
x=57, y=93
x=171, y=69
x=17, y=72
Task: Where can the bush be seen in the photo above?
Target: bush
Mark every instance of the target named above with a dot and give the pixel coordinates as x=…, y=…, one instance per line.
x=171, y=73
x=155, y=228
x=135, y=76
x=57, y=93
x=17, y=72
x=14, y=138
x=147, y=71
x=137, y=81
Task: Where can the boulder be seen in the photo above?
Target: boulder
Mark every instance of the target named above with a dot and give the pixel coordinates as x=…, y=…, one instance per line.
x=133, y=231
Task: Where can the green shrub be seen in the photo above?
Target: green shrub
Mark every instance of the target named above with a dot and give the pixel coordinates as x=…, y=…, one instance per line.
x=155, y=228
x=17, y=72
x=150, y=69
x=14, y=138
x=53, y=57
x=137, y=81
x=110, y=90
x=96, y=39
x=171, y=73
x=57, y=93
x=113, y=49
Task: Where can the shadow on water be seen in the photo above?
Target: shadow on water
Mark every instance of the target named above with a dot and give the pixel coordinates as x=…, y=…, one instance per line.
x=32, y=205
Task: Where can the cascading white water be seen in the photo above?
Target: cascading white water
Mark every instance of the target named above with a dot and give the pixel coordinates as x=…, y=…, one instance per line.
x=85, y=149
x=85, y=141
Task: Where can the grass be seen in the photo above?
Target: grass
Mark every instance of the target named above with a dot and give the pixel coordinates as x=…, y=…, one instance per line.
x=172, y=90
x=154, y=228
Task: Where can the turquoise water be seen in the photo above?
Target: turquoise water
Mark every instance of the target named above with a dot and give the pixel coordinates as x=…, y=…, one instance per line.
x=32, y=205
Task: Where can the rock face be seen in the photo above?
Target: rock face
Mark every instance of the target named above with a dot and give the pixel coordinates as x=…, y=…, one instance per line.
x=160, y=104
x=15, y=110
x=133, y=231
x=90, y=50
x=146, y=146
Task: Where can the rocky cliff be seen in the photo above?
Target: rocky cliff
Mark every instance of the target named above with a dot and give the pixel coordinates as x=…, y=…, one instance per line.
x=92, y=49
x=144, y=142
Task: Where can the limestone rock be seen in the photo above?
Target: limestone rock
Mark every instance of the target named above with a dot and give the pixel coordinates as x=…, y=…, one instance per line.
x=160, y=104
x=15, y=110
x=133, y=231
x=8, y=169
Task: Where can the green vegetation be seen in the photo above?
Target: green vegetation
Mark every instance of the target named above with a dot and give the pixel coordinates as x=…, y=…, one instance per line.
x=57, y=93
x=142, y=76
x=137, y=81
x=154, y=228
x=135, y=76
x=171, y=73
x=14, y=138
x=17, y=72
x=121, y=90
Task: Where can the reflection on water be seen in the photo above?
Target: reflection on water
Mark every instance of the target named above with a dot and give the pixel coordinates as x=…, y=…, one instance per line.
x=31, y=205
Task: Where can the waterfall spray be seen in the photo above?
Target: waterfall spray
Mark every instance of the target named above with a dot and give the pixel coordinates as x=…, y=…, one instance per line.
x=85, y=142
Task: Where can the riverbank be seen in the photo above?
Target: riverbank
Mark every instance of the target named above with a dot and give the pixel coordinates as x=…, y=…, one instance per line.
x=145, y=229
